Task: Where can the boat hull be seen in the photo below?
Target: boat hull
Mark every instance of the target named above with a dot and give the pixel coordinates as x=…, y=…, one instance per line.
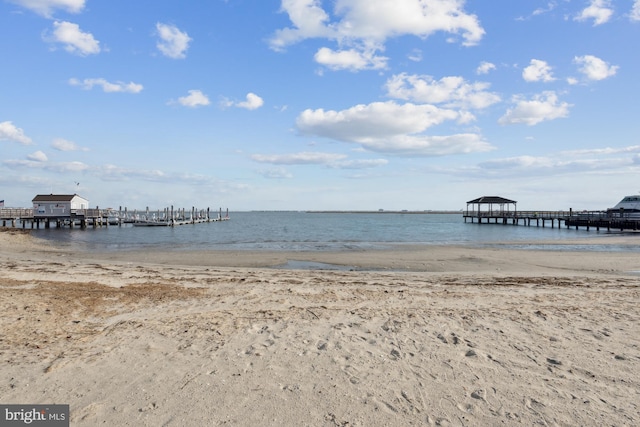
x=151, y=224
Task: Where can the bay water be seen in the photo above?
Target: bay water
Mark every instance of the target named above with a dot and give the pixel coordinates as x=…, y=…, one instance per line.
x=312, y=231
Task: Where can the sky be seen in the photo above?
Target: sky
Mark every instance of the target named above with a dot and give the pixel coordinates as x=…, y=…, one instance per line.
x=320, y=105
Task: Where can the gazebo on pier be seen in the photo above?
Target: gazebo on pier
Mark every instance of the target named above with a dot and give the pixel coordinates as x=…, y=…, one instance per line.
x=498, y=210
x=490, y=207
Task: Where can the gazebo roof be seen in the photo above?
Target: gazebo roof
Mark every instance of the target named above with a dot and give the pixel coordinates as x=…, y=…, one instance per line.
x=491, y=200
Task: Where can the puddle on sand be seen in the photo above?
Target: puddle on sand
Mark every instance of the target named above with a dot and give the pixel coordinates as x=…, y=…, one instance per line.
x=310, y=265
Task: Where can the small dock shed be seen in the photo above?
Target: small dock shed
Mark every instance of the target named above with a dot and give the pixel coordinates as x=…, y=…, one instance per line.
x=58, y=205
x=491, y=206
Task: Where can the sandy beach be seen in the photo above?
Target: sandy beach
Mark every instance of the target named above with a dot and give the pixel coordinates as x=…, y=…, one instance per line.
x=414, y=336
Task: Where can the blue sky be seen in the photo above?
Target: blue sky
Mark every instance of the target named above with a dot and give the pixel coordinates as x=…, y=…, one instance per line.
x=309, y=104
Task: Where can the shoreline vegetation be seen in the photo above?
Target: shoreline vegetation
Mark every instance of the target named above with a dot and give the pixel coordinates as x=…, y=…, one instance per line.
x=442, y=335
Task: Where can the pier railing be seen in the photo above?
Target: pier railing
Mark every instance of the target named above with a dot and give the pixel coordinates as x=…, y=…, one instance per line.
x=520, y=214
x=15, y=213
x=618, y=220
x=548, y=215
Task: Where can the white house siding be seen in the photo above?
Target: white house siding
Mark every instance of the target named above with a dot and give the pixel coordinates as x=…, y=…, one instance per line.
x=52, y=209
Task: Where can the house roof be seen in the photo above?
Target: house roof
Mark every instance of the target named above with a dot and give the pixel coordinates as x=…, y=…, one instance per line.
x=491, y=200
x=54, y=197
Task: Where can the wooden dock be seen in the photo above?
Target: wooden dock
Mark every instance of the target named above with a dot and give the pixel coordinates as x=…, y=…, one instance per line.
x=499, y=210
x=586, y=219
x=23, y=217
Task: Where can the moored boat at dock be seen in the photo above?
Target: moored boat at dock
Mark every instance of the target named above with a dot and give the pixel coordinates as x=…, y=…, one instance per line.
x=150, y=223
x=628, y=207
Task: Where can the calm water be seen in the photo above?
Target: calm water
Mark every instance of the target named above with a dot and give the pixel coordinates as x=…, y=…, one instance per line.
x=300, y=231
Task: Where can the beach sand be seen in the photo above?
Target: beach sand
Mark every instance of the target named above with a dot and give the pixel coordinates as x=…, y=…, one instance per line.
x=413, y=336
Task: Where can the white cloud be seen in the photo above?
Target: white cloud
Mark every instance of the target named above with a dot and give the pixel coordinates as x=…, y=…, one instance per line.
x=524, y=166
x=427, y=145
x=308, y=19
x=540, y=11
x=68, y=167
x=331, y=160
x=53, y=167
x=74, y=40
x=416, y=55
x=520, y=162
x=252, y=102
x=359, y=164
x=542, y=107
x=350, y=59
x=276, y=173
x=381, y=19
x=598, y=10
x=365, y=25
x=595, y=68
x=363, y=122
x=195, y=99
x=601, y=161
x=61, y=144
x=88, y=84
x=47, y=7
x=9, y=132
x=485, y=67
x=390, y=128
x=38, y=156
x=603, y=151
x=303, y=158
x=635, y=11
x=117, y=173
x=112, y=172
x=538, y=71
x=451, y=91
x=173, y=42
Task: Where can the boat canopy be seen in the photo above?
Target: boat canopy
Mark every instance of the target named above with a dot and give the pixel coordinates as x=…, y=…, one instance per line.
x=629, y=203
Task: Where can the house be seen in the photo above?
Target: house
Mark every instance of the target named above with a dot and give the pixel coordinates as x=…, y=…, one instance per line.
x=58, y=205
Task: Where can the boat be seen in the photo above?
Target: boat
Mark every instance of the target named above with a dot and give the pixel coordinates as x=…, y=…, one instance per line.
x=628, y=207
x=150, y=223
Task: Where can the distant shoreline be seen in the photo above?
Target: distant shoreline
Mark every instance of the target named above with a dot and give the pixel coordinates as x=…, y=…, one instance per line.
x=427, y=212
